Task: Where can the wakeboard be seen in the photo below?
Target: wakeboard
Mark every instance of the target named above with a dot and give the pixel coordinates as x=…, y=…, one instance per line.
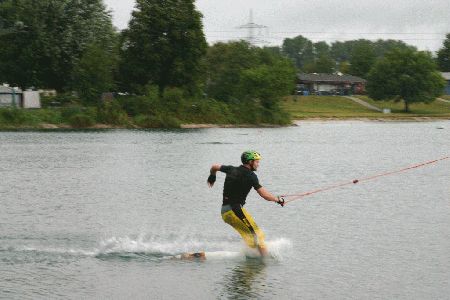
x=191, y=256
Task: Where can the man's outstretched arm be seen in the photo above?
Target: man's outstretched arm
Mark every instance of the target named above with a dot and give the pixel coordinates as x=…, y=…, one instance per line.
x=212, y=174
x=269, y=197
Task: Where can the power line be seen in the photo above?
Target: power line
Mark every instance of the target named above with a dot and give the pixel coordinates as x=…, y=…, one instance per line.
x=377, y=33
x=325, y=38
x=347, y=33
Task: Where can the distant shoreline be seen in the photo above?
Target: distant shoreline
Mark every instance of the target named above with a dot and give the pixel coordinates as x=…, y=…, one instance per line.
x=365, y=119
x=317, y=120
x=297, y=122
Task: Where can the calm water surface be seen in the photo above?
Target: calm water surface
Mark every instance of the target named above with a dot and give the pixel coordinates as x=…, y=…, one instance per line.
x=97, y=215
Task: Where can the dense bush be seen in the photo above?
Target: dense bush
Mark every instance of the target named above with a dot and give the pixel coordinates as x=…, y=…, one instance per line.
x=51, y=116
x=173, y=99
x=135, y=105
x=81, y=120
x=71, y=110
x=79, y=116
x=206, y=111
x=255, y=113
x=111, y=112
x=158, y=121
x=151, y=113
x=20, y=117
x=64, y=99
x=12, y=116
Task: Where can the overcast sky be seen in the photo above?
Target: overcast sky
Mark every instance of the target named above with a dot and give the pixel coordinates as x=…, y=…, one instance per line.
x=420, y=23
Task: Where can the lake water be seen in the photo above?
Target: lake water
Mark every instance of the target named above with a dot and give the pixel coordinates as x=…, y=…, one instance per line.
x=98, y=214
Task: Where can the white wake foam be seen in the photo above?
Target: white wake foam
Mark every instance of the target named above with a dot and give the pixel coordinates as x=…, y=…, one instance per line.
x=166, y=247
x=280, y=248
x=55, y=250
x=157, y=245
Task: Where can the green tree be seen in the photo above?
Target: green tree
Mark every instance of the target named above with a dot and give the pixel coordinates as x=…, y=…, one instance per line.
x=163, y=45
x=321, y=49
x=52, y=38
x=443, y=56
x=299, y=49
x=274, y=49
x=381, y=47
x=268, y=83
x=362, y=59
x=324, y=64
x=405, y=75
x=93, y=73
x=322, y=61
x=225, y=63
x=341, y=51
x=344, y=67
x=239, y=72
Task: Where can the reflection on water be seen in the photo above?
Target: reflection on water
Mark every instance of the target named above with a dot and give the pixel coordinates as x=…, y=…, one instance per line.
x=245, y=280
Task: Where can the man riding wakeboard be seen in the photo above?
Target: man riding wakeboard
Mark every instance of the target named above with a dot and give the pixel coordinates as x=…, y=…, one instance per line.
x=238, y=183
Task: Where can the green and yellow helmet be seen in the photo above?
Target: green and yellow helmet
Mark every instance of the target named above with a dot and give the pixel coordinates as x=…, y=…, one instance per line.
x=250, y=155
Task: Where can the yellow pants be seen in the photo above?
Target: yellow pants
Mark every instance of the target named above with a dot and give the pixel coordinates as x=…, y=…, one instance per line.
x=239, y=218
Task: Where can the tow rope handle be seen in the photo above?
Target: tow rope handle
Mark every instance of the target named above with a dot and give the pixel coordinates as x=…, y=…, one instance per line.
x=281, y=200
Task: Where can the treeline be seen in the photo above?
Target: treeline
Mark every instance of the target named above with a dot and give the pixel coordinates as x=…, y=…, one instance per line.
x=72, y=46
x=161, y=65
x=355, y=57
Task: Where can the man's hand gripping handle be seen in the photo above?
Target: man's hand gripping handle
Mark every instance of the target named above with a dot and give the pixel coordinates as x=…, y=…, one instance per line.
x=281, y=200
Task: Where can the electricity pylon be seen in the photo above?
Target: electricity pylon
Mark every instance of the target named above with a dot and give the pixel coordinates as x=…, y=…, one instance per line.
x=251, y=26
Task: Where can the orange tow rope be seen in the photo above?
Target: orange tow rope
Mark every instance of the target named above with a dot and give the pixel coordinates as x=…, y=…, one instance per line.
x=293, y=197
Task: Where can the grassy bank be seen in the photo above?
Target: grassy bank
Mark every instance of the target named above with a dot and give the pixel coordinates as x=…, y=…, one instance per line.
x=304, y=107
x=342, y=108
x=434, y=109
x=175, y=112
